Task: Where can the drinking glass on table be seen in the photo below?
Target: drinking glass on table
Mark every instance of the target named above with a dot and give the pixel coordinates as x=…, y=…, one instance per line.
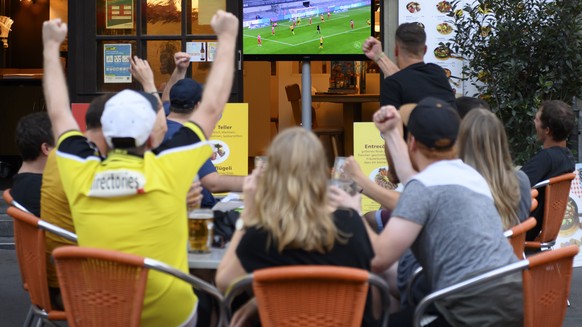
x=339, y=177
x=200, y=230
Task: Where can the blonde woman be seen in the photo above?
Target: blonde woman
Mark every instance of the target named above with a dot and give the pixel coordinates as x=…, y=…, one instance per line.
x=482, y=144
x=289, y=220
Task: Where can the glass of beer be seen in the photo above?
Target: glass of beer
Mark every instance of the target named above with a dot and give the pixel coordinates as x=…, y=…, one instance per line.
x=339, y=177
x=200, y=226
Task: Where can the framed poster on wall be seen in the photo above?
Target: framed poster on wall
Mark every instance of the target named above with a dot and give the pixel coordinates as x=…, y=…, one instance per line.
x=116, y=63
x=119, y=14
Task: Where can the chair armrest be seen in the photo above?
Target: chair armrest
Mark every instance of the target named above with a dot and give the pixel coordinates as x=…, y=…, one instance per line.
x=195, y=282
x=415, y=275
x=240, y=285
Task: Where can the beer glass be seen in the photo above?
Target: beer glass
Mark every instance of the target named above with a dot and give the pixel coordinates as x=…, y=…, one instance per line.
x=339, y=178
x=260, y=161
x=200, y=226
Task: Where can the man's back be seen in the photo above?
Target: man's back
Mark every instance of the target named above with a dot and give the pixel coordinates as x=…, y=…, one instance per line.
x=454, y=205
x=414, y=83
x=547, y=163
x=136, y=205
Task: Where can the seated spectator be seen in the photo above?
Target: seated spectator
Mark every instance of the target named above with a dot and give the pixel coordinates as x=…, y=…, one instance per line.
x=144, y=212
x=34, y=140
x=447, y=202
x=466, y=104
x=289, y=220
x=180, y=98
x=554, y=122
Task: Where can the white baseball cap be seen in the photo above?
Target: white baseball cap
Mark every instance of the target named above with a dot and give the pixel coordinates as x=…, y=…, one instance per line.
x=128, y=119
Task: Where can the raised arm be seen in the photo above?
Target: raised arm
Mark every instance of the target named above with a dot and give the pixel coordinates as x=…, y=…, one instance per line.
x=182, y=61
x=372, y=48
x=386, y=198
x=388, y=122
x=54, y=84
x=219, y=82
x=142, y=72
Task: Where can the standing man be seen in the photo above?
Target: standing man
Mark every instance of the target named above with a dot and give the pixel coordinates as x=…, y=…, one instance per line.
x=259, y=41
x=292, y=28
x=411, y=79
x=352, y=23
x=318, y=29
x=133, y=200
x=321, y=42
x=554, y=122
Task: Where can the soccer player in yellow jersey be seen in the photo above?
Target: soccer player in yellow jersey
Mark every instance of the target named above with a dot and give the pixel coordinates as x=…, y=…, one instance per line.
x=133, y=200
x=321, y=42
x=292, y=28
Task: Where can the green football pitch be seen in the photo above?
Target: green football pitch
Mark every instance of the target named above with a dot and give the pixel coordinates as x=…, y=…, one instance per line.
x=338, y=36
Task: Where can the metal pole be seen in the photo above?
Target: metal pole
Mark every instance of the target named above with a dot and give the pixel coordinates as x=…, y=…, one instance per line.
x=306, y=95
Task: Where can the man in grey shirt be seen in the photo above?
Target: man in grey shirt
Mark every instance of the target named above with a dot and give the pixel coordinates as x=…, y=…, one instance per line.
x=447, y=217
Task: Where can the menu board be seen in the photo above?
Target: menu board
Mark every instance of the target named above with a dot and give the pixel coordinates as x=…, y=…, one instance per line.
x=439, y=28
x=369, y=154
x=571, y=229
x=230, y=141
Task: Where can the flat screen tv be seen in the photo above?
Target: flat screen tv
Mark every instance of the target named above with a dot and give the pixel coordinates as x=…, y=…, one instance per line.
x=306, y=30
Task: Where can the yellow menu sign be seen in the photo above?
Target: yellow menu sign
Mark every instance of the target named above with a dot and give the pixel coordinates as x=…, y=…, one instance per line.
x=369, y=153
x=230, y=140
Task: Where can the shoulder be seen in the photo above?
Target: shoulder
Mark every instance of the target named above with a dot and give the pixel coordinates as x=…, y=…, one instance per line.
x=73, y=144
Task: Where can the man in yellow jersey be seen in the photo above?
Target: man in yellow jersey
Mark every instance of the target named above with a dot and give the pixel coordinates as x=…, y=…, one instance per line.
x=133, y=200
x=321, y=42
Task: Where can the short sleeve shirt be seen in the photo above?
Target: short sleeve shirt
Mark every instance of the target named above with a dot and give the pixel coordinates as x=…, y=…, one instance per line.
x=461, y=229
x=136, y=205
x=256, y=252
x=414, y=83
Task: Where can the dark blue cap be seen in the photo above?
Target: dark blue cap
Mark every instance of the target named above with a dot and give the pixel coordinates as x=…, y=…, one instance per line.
x=185, y=94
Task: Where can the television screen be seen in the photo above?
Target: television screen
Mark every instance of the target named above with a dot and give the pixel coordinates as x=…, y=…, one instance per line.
x=306, y=30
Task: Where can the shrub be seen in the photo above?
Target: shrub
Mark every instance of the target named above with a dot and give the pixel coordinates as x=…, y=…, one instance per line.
x=519, y=53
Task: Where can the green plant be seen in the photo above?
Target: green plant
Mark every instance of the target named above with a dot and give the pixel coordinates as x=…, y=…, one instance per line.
x=517, y=54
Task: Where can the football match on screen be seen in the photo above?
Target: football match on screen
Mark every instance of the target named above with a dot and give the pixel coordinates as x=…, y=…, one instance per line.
x=305, y=27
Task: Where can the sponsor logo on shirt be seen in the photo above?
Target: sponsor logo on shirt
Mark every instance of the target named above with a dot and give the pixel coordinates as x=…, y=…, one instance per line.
x=116, y=183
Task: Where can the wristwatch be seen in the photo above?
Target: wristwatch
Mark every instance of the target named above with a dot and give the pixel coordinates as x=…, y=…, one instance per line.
x=239, y=225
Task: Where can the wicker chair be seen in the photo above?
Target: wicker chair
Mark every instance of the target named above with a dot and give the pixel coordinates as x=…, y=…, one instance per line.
x=516, y=236
x=546, y=286
x=29, y=236
x=557, y=190
x=106, y=288
x=311, y=295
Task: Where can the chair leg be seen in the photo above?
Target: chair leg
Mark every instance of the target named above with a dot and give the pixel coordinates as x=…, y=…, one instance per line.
x=29, y=318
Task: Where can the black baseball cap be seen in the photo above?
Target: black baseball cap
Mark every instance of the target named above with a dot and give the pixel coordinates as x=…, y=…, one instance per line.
x=432, y=122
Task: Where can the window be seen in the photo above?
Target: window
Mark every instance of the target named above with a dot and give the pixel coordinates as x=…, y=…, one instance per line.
x=154, y=29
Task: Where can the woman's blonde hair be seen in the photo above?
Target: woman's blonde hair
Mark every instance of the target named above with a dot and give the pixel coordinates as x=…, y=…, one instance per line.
x=291, y=197
x=482, y=144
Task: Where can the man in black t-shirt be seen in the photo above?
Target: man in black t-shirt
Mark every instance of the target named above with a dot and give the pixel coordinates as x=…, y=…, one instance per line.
x=410, y=79
x=34, y=140
x=554, y=122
